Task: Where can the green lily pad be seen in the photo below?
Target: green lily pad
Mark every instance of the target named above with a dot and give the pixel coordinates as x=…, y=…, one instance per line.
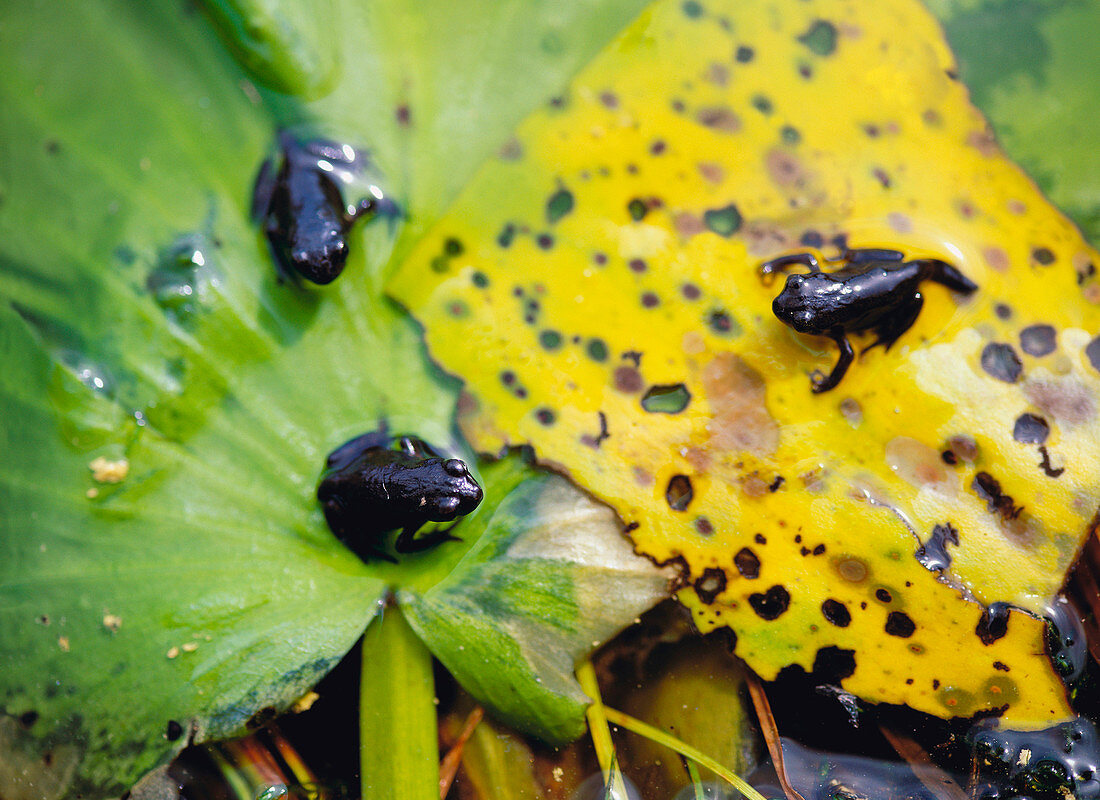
x=168, y=403
x=1031, y=67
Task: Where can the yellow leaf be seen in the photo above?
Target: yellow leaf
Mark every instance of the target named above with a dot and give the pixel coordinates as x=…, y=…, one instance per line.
x=598, y=288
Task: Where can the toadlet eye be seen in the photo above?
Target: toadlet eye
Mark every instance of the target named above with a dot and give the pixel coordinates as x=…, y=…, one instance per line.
x=455, y=467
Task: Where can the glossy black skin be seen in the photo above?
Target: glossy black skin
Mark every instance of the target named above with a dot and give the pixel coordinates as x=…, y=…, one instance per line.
x=303, y=211
x=877, y=290
x=374, y=484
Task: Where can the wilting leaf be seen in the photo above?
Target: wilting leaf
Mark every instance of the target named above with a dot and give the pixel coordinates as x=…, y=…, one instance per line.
x=806, y=511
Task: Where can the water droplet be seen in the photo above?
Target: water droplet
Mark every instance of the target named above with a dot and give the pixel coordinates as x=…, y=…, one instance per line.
x=275, y=791
x=94, y=376
x=184, y=279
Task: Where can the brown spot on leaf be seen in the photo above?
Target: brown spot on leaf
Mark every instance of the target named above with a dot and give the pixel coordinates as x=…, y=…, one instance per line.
x=785, y=169
x=747, y=563
x=899, y=222
x=741, y=421
x=763, y=238
x=852, y=569
x=718, y=118
x=718, y=74
x=1067, y=400
x=918, y=464
x=628, y=380
x=983, y=141
x=710, y=584
x=989, y=489
x=688, y=224
x=996, y=258
x=754, y=486
x=712, y=171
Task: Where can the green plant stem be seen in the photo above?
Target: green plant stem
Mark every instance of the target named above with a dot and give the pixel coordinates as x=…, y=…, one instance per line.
x=657, y=735
x=398, y=745
x=600, y=732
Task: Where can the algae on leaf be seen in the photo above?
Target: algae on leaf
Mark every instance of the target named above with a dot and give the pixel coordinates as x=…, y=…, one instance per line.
x=705, y=140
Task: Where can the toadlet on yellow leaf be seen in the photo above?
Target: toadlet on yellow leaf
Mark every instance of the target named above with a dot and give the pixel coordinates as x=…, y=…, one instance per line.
x=598, y=289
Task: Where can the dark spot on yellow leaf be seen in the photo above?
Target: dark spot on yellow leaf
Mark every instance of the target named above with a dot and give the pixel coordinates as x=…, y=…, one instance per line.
x=679, y=492
x=1043, y=256
x=692, y=9
x=710, y=584
x=559, y=204
x=506, y=235
x=724, y=221
x=883, y=595
x=899, y=624
x=747, y=563
x=744, y=54
x=671, y=398
x=820, y=38
x=836, y=613
x=989, y=489
x=790, y=135
x=1092, y=351
x=596, y=350
x=627, y=380
x=1038, y=340
x=762, y=104
x=999, y=360
x=718, y=118
x=1030, y=429
x=833, y=664
x=550, y=340
x=993, y=624
x=772, y=604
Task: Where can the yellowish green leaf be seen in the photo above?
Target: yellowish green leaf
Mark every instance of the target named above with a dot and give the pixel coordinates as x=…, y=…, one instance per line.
x=631, y=341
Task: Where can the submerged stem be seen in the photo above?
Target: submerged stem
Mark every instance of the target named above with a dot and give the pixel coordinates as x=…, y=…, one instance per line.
x=659, y=736
x=398, y=748
x=600, y=732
